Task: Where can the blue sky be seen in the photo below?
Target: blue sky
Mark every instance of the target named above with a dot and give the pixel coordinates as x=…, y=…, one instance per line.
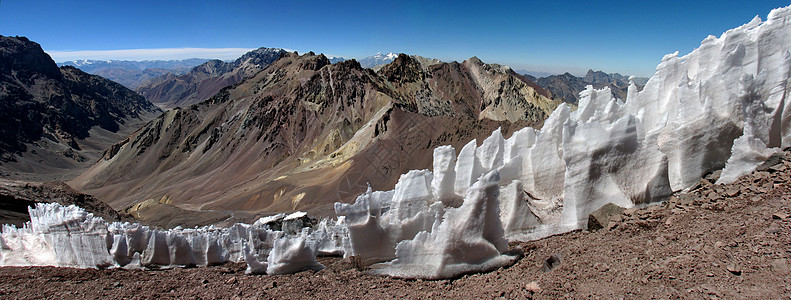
x=629, y=37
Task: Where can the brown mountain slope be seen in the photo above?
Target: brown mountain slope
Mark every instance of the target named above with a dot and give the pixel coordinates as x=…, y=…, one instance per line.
x=205, y=80
x=304, y=133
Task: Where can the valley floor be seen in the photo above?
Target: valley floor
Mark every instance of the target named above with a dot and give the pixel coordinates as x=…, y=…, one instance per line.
x=717, y=241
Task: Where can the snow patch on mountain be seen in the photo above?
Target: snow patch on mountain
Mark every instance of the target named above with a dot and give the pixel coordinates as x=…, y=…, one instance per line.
x=378, y=59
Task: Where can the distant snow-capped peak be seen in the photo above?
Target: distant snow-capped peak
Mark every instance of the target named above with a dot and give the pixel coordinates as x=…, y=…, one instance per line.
x=388, y=56
x=378, y=59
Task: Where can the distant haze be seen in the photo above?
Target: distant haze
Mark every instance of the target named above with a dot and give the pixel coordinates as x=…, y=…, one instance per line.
x=150, y=54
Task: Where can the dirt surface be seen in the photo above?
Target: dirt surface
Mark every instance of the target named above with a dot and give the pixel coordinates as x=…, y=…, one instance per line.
x=717, y=241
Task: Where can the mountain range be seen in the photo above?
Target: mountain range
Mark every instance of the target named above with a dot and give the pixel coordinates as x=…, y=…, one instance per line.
x=131, y=73
x=568, y=87
x=277, y=131
x=54, y=121
x=203, y=81
x=377, y=60
x=304, y=133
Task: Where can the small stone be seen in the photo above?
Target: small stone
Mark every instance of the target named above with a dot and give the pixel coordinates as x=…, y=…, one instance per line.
x=533, y=287
x=778, y=167
x=771, y=161
x=601, y=217
x=614, y=222
x=710, y=274
x=205, y=281
x=714, y=176
x=630, y=211
x=704, y=183
x=734, y=269
x=779, y=215
x=229, y=281
x=373, y=287
x=780, y=265
x=552, y=262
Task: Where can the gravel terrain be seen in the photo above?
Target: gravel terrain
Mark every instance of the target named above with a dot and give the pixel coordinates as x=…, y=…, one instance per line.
x=716, y=241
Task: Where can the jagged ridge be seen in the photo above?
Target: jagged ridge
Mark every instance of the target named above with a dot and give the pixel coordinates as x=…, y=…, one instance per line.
x=304, y=133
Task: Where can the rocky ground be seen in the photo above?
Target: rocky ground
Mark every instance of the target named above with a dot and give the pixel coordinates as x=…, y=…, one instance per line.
x=716, y=241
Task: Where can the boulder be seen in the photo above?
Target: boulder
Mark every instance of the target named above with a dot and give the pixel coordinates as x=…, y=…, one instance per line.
x=601, y=217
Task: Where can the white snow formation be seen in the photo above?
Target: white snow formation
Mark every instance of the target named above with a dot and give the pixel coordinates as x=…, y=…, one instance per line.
x=723, y=106
x=70, y=237
x=720, y=107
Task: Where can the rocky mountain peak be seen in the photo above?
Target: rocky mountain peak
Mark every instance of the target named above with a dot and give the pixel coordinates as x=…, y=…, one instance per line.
x=351, y=64
x=314, y=62
x=599, y=77
x=26, y=60
x=475, y=60
x=260, y=56
x=207, y=79
x=403, y=69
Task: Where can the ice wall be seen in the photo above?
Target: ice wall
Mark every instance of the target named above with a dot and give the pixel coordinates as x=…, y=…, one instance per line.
x=57, y=236
x=468, y=239
x=70, y=237
x=378, y=221
x=721, y=106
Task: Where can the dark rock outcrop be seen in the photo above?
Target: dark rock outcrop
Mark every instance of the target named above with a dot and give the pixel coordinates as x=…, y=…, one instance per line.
x=59, y=106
